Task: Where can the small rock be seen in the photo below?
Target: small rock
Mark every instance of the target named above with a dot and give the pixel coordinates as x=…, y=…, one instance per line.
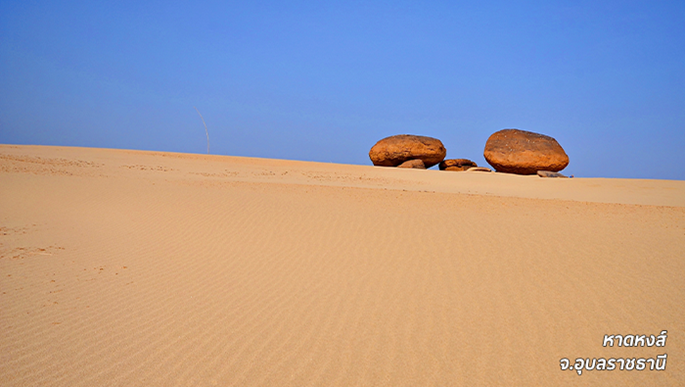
x=416, y=164
x=479, y=169
x=394, y=150
x=456, y=165
x=549, y=174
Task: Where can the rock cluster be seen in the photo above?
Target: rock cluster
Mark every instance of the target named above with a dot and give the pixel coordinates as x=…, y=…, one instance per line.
x=508, y=150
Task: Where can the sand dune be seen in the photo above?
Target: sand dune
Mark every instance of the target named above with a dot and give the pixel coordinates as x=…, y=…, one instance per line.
x=130, y=268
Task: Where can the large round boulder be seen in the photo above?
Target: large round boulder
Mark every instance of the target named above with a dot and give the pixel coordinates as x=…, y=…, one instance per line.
x=524, y=153
x=395, y=150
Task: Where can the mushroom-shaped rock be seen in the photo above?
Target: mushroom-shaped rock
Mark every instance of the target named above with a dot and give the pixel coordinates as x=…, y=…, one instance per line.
x=524, y=153
x=394, y=150
x=416, y=164
x=456, y=164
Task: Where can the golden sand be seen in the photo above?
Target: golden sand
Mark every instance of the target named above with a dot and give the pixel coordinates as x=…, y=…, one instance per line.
x=130, y=268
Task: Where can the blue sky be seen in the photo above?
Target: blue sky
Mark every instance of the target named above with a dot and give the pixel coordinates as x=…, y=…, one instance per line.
x=323, y=81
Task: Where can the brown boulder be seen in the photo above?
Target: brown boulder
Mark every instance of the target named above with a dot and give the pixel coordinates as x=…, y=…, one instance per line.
x=416, y=164
x=456, y=164
x=394, y=150
x=524, y=153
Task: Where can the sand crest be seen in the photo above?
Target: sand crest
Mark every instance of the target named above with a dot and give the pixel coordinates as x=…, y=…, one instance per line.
x=131, y=268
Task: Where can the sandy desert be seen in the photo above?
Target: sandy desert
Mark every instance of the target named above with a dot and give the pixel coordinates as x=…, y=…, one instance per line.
x=136, y=268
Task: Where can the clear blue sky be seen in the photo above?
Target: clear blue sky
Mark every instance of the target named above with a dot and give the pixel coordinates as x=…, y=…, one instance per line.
x=324, y=80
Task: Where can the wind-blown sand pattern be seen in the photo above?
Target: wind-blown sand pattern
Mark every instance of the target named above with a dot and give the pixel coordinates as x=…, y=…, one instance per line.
x=129, y=268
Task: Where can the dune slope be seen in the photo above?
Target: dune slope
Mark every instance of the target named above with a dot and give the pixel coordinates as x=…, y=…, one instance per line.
x=159, y=269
